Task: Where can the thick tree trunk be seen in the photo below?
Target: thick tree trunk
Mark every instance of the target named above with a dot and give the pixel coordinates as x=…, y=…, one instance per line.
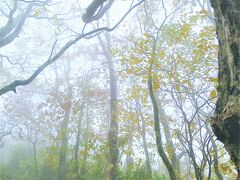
x=226, y=122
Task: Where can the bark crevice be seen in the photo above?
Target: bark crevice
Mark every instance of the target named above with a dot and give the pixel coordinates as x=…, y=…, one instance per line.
x=226, y=122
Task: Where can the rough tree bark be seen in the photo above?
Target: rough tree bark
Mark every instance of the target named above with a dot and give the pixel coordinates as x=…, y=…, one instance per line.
x=226, y=122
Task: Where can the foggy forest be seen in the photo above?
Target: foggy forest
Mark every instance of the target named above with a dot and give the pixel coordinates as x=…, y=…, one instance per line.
x=119, y=90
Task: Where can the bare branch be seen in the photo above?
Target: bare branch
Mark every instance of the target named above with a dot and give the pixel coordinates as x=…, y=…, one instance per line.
x=12, y=86
x=6, y=37
x=7, y=28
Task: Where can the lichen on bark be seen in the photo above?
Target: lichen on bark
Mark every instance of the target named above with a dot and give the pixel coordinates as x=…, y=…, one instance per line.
x=226, y=121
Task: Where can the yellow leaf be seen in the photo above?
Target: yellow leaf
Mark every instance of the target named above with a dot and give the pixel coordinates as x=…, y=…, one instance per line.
x=161, y=54
x=203, y=11
x=141, y=45
x=171, y=75
x=135, y=61
x=146, y=48
x=177, y=87
x=146, y=35
x=128, y=71
x=36, y=13
x=211, y=79
x=202, y=34
x=156, y=85
x=185, y=30
x=187, y=82
x=213, y=94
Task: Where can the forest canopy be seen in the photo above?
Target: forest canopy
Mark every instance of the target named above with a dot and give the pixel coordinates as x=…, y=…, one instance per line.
x=119, y=90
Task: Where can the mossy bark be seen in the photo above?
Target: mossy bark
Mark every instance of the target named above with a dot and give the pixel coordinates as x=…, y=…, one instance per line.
x=226, y=121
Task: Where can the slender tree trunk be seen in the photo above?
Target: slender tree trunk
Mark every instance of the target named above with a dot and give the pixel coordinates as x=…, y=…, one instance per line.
x=76, y=147
x=143, y=134
x=188, y=142
x=35, y=160
x=159, y=142
x=148, y=163
x=170, y=146
x=62, y=169
x=187, y=164
x=197, y=169
x=86, y=137
x=113, y=127
x=226, y=122
x=215, y=155
x=215, y=161
x=129, y=158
